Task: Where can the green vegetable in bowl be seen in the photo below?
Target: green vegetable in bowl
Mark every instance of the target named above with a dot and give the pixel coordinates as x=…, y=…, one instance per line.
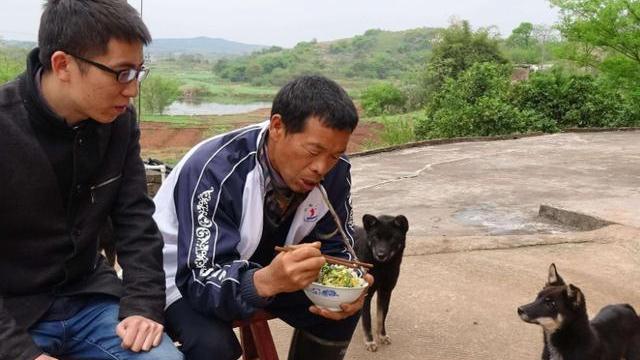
x=338, y=276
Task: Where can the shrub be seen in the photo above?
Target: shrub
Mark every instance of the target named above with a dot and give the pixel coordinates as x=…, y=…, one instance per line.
x=575, y=100
x=382, y=98
x=477, y=104
x=11, y=64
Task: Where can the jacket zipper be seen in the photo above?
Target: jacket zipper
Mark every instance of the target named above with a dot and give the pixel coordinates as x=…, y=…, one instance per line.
x=102, y=184
x=70, y=210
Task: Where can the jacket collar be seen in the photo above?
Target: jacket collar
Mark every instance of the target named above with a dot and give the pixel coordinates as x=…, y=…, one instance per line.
x=41, y=114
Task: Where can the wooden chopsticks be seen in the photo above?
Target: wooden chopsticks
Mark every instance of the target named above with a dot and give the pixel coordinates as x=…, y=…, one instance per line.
x=332, y=259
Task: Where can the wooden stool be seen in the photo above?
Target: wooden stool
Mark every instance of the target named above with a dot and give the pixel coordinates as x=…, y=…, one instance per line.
x=255, y=337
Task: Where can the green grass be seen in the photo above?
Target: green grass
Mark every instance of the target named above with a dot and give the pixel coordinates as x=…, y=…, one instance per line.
x=398, y=129
x=225, y=92
x=175, y=120
x=211, y=87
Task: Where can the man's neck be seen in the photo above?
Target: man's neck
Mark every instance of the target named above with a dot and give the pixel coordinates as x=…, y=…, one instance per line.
x=57, y=99
x=277, y=178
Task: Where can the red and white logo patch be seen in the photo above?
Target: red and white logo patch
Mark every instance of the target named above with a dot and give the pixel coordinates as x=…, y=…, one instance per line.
x=311, y=213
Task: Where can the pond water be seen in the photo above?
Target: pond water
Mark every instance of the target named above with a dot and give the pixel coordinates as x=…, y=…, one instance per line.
x=212, y=108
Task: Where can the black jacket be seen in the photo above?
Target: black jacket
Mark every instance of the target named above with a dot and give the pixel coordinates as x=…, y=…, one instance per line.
x=48, y=238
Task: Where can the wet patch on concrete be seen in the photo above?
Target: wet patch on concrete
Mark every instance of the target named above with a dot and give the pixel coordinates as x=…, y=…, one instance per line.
x=496, y=220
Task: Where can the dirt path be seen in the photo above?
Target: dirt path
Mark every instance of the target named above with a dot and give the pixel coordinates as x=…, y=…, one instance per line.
x=159, y=136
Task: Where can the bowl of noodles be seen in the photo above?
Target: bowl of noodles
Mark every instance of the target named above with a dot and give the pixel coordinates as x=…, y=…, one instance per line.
x=335, y=285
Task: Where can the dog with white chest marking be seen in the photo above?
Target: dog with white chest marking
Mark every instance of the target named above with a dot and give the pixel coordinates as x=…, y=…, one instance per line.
x=614, y=334
x=381, y=242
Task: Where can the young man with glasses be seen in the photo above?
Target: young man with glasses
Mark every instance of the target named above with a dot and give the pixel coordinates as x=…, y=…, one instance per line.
x=69, y=160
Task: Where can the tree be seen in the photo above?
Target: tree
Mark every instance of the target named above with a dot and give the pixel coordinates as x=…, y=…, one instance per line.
x=253, y=71
x=522, y=36
x=612, y=25
x=521, y=46
x=544, y=34
x=532, y=44
x=605, y=35
x=157, y=93
x=455, y=50
x=459, y=47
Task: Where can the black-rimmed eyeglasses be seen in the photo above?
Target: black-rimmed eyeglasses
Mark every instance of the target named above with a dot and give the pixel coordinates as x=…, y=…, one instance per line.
x=122, y=76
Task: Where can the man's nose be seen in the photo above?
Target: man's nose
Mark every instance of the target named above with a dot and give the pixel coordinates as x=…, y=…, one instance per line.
x=322, y=165
x=131, y=89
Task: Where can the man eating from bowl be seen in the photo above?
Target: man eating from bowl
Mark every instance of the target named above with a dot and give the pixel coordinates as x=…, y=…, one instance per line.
x=236, y=196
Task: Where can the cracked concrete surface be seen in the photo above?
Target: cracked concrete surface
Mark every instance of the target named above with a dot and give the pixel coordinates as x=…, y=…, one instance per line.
x=431, y=184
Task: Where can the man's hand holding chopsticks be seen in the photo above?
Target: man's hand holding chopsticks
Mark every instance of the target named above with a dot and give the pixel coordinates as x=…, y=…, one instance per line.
x=290, y=271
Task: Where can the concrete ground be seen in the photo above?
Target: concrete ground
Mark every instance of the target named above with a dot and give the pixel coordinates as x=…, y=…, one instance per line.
x=477, y=248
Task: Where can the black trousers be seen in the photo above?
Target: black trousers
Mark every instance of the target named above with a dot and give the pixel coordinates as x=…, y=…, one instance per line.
x=208, y=338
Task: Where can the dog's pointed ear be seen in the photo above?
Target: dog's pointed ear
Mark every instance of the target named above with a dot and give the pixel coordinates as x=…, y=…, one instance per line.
x=575, y=295
x=369, y=221
x=554, y=278
x=401, y=222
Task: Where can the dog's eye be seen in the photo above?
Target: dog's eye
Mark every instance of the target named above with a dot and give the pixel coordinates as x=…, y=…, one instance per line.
x=550, y=303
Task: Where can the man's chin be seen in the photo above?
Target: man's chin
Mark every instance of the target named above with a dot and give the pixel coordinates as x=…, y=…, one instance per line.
x=105, y=119
x=299, y=189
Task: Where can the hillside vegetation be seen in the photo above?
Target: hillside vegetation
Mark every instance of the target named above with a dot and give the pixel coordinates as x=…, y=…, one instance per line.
x=375, y=55
x=12, y=61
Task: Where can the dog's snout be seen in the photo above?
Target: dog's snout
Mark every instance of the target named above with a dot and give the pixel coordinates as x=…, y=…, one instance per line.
x=523, y=314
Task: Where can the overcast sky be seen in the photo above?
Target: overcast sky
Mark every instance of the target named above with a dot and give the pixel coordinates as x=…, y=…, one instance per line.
x=287, y=22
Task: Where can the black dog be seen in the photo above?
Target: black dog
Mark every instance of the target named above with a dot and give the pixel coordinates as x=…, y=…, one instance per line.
x=381, y=243
x=560, y=309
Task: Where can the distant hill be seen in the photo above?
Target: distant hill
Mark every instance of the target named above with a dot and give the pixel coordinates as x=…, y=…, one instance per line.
x=376, y=54
x=171, y=47
x=200, y=45
x=18, y=44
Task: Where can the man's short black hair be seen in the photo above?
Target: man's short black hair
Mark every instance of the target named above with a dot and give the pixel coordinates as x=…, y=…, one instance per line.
x=84, y=27
x=314, y=95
